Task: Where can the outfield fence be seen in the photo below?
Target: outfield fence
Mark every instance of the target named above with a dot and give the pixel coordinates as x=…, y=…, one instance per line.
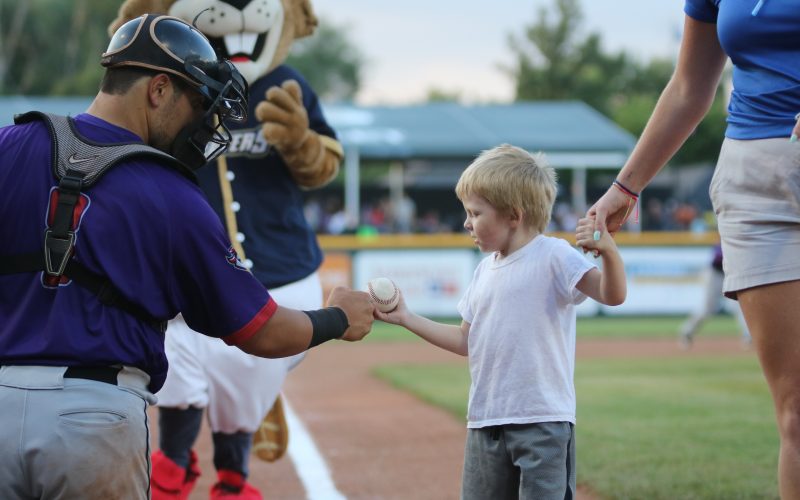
x=664, y=269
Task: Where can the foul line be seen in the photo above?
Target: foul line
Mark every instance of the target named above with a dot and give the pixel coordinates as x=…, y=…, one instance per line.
x=308, y=462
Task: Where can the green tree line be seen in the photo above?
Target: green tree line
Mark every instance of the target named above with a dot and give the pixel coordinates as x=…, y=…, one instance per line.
x=554, y=62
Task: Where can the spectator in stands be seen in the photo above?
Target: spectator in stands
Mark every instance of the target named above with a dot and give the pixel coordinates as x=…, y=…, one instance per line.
x=653, y=217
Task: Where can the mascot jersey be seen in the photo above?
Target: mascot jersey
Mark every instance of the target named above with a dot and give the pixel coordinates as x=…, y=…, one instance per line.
x=270, y=210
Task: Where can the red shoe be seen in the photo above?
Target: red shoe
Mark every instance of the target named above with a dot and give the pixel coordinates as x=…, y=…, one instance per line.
x=170, y=481
x=232, y=486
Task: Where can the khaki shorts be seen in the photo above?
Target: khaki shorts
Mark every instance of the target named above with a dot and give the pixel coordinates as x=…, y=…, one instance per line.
x=756, y=196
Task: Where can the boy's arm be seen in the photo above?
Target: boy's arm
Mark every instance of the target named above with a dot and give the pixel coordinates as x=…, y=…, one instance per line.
x=452, y=338
x=608, y=286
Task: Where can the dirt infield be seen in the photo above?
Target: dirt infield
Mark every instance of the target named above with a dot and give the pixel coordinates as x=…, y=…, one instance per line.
x=382, y=443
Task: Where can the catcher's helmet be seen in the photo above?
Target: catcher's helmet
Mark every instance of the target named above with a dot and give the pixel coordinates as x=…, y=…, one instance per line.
x=168, y=44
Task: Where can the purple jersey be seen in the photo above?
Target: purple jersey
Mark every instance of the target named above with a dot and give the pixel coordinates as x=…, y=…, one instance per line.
x=145, y=227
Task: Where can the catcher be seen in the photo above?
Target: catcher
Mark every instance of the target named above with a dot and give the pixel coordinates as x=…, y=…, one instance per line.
x=286, y=146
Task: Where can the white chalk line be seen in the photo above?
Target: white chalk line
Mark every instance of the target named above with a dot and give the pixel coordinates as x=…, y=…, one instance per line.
x=308, y=462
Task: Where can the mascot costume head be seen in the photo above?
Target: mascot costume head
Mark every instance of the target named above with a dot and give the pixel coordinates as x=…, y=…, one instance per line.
x=257, y=35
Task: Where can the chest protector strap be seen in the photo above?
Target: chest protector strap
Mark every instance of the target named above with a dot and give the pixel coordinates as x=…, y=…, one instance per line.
x=78, y=164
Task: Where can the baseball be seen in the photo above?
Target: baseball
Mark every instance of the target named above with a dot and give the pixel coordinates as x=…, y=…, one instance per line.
x=384, y=293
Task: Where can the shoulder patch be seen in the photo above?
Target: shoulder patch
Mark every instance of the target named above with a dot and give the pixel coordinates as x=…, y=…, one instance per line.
x=233, y=259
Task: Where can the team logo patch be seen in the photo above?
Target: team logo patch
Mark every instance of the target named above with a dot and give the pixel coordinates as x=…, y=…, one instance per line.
x=233, y=259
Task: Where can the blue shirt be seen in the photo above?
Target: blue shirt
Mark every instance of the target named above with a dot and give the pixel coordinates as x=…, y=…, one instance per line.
x=278, y=240
x=144, y=226
x=764, y=45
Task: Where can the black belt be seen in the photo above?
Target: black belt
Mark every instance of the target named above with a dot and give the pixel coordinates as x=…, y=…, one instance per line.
x=107, y=374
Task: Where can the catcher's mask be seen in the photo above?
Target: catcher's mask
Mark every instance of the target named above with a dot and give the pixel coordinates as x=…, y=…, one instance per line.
x=170, y=45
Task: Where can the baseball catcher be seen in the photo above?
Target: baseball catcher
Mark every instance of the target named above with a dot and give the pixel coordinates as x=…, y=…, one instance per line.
x=284, y=147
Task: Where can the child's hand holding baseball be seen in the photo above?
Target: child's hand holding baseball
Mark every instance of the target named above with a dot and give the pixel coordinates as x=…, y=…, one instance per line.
x=590, y=240
x=397, y=316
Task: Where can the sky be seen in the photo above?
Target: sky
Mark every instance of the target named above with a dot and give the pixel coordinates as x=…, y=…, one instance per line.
x=460, y=45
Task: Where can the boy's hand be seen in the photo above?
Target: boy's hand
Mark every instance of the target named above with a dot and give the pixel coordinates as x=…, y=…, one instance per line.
x=396, y=316
x=593, y=240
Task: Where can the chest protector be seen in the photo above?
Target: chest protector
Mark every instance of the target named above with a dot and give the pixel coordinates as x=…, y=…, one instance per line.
x=79, y=164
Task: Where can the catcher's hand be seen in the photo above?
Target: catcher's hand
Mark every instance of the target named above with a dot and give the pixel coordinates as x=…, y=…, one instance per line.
x=284, y=118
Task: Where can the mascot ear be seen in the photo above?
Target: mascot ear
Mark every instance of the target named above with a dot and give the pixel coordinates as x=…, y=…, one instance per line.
x=305, y=22
x=131, y=9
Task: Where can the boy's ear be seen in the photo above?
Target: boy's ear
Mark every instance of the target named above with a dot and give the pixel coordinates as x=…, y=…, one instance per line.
x=515, y=216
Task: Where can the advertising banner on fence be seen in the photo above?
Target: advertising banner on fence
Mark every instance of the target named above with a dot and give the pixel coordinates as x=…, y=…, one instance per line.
x=663, y=280
x=432, y=281
x=336, y=270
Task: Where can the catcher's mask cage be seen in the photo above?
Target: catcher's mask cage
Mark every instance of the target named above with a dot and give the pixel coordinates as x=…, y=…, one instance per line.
x=168, y=44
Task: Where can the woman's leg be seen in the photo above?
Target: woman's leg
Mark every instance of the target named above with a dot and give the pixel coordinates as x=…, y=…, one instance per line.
x=774, y=320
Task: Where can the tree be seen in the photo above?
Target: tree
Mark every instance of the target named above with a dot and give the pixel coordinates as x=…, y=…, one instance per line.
x=53, y=47
x=554, y=62
x=436, y=94
x=329, y=61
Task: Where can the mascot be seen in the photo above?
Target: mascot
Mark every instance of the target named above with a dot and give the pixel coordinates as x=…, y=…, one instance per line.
x=285, y=147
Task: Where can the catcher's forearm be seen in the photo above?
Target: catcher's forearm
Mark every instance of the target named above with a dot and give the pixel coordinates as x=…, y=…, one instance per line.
x=315, y=162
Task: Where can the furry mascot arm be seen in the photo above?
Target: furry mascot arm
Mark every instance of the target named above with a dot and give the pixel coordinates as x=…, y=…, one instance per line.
x=313, y=159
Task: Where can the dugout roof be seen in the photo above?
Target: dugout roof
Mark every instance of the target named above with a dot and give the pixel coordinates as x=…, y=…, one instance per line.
x=570, y=130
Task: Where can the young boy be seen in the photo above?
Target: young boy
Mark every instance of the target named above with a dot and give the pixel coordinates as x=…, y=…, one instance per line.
x=518, y=328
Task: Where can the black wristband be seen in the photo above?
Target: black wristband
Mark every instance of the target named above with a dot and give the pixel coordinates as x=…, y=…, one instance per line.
x=327, y=324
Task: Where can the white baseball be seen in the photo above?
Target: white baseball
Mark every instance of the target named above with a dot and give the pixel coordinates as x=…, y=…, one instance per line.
x=384, y=293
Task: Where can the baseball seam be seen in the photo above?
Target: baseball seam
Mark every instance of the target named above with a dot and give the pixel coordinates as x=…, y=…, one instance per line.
x=385, y=302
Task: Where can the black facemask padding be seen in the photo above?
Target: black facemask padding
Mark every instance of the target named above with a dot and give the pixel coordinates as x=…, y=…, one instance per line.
x=204, y=140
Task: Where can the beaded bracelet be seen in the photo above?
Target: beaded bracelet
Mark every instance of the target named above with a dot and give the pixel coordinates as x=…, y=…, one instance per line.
x=625, y=190
x=633, y=202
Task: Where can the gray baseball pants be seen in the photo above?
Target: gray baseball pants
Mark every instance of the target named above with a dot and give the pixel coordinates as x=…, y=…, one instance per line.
x=520, y=461
x=67, y=438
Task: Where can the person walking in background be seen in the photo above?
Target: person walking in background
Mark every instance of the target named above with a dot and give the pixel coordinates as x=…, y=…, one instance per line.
x=518, y=328
x=755, y=189
x=712, y=286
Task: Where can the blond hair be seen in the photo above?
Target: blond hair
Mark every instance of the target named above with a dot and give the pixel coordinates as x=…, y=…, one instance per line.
x=512, y=179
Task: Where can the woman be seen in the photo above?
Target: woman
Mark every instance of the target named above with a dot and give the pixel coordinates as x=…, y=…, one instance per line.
x=756, y=186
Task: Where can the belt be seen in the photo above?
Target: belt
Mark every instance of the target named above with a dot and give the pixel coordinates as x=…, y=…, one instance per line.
x=107, y=374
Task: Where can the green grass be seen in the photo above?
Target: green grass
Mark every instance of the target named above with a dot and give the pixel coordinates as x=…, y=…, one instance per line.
x=672, y=428
x=596, y=327
x=651, y=326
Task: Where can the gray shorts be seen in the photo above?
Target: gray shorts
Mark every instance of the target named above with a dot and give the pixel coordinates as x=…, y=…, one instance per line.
x=67, y=438
x=756, y=196
x=525, y=461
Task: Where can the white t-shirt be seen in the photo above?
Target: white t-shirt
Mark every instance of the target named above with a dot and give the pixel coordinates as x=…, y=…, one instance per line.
x=521, y=309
